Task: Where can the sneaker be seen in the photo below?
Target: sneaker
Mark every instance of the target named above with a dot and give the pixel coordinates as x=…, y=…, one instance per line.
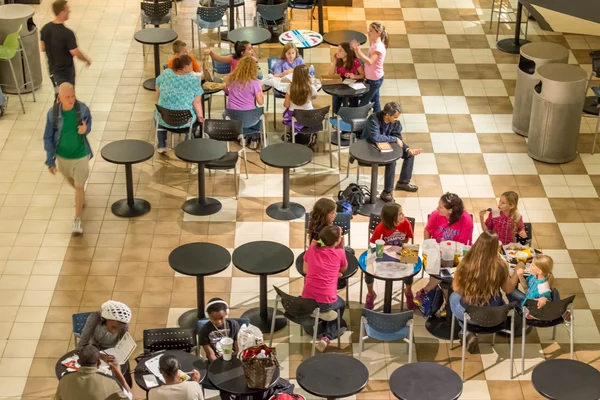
x=410, y=302
x=77, y=228
x=254, y=144
x=329, y=315
x=472, y=343
x=322, y=344
x=370, y=300
x=407, y=187
x=162, y=150
x=386, y=197
x=418, y=299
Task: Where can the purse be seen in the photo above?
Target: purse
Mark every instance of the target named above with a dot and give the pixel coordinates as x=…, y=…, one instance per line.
x=260, y=364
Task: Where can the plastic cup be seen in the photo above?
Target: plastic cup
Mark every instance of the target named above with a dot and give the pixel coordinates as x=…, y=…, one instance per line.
x=379, y=247
x=227, y=348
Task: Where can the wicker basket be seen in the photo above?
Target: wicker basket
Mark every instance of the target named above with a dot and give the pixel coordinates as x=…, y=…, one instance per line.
x=259, y=371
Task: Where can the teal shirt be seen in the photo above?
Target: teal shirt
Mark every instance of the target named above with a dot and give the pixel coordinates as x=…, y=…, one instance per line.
x=537, y=288
x=71, y=144
x=177, y=92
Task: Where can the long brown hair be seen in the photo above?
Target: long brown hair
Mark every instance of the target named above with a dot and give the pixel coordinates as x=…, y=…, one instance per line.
x=546, y=265
x=286, y=47
x=451, y=201
x=389, y=214
x=350, y=56
x=300, y=88
x=380, y=28
x=245, y=72
x=481, y=273
x=318, y=215
x=512, y=199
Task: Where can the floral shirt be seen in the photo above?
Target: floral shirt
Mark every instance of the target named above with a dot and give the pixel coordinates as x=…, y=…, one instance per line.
x=502, y=226
x=177, y=92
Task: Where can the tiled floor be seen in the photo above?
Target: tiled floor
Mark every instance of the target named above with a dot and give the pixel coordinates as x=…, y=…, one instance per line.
x=455, y=88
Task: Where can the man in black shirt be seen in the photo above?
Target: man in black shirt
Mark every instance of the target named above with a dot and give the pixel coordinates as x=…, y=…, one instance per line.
x=60, y=46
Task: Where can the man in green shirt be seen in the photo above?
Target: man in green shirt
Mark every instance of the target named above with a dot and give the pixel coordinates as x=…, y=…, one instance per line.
x=65, y=141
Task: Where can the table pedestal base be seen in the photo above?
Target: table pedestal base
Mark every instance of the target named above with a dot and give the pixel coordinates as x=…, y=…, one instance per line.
x=591, y=105
x=510, y=46
x=279, y=212
x=188, y=319
x=265, y=324
x=344, y=142
x=209, y=207
x=440, y=328
x=122, y=209
x=150, y=84
x=372, y=208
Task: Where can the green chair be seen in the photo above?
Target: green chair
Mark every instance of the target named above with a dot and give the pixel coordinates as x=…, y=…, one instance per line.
x=12, y=45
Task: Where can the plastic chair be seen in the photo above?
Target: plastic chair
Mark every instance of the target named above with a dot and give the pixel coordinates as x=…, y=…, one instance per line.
x=300, y=6
x=486, y=320
x=272, y=16
x=312, y=121
x=342, y=220
x=11, y=46
x=236, y=4
x=551, y=315
x=302, y=311
x=175, y=118
x=386, y=327
x=171, y=339
x=208, y=18
x=226, y=131
x=221, y=68
x=596, y=91
x=249, y=118
x=156, y=12
x=79, y=321
x=353, y=120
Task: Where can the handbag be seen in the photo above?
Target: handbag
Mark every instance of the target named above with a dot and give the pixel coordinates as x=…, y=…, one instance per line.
x=260, y=364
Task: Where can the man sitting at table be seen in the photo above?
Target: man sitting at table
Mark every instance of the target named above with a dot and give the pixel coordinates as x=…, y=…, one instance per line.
x=383, y=126
x=174, y=388
x=89, y=383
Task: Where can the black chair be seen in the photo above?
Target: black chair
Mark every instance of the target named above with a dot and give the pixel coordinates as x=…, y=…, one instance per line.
x=171, y=339
x=175, y=118
x=303, y=5
x=272, y=16
x=551, y=315
x=236, y=4
x=208, y=18
x=312, y=121
x=486, y=320
x=155, y=13
x=302, y=311
x=352, y=120
x=249, y=119
x=79, y=321
x=225, y=131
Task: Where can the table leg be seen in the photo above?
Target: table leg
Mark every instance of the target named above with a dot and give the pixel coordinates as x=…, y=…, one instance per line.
x=320, y=15
x=387, y=298
x=510, y=45
x=286, y=210
x=130, y=207
x=261, y=317
x=150, y=84
x=375, y=204
x=201, y=205
x=189, y=319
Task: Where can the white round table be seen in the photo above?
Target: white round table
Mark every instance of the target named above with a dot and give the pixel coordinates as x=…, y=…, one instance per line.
x=302, y=38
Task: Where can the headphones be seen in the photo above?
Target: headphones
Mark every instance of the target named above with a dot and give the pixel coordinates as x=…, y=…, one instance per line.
x=216, y=302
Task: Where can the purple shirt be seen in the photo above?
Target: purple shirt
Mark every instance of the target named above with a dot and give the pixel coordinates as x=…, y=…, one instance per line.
x=283, y=65
x=243, y=97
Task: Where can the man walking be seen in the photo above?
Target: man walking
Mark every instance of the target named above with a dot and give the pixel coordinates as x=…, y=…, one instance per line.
x=60, y=46
x=384, y=126
x=65, y=141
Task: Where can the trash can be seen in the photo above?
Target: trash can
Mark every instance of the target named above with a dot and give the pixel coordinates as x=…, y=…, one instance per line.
x=11, y=17
x=556, y=113
x=533, y=56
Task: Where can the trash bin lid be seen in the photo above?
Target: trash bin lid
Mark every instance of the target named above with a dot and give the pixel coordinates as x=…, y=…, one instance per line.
x=562, y=73
x=11, y=12
x=544, y=51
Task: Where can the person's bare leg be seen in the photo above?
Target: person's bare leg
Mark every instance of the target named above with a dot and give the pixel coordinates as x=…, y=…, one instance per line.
x=370, y=288
x=79, y=200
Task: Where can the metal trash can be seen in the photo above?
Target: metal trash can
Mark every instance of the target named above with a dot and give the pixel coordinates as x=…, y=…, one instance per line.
x=11, y=17
x=556, y=113
x=533, y=56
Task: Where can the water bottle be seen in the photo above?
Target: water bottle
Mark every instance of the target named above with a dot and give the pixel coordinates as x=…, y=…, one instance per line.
x=260, y=74
x=311, y=71
x=262, y=354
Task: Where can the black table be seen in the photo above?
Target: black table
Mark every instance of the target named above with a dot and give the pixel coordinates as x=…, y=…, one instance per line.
x=60, y=370
x=188, y=363
x=229, y=377
x=335, y=38
x=441, y=327
x=155, y=37
x=345, y=92
x=286, y=155
x=566, y=379
x=510, y=45
x=201, y=151
x=367, y=153
x=263, y=258
x=128, y=152
x=332, y=375
x=252, y=34
x=425, y=381
x=199, y=260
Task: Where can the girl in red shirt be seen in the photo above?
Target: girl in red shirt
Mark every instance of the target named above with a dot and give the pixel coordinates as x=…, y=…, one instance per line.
x=395, y=230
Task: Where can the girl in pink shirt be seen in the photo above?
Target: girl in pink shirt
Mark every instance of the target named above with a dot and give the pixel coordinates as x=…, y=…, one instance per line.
x=324, y=263
x=241, y=49
x=379, y=40
x=508, y=223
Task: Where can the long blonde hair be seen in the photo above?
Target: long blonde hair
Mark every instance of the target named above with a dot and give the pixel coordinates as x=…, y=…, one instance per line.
x=481, y=273
x=245, y=72
x=300, y=88
x=512, y=199
x=545, y=264
x=380, y=28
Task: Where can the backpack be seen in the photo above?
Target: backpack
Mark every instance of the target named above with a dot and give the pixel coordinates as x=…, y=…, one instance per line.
x=432, y=302
x=355, y=195
x=55, y=110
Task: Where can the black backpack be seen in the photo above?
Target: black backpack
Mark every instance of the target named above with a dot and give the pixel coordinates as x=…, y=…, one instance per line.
x=355, y=195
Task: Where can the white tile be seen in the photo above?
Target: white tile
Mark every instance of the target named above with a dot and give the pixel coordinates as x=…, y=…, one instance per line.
x=590, y=285
x=571, y=229
x=583, y=191
x=578, y=242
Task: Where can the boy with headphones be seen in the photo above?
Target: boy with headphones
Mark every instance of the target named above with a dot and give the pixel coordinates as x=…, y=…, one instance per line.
x=218, y=327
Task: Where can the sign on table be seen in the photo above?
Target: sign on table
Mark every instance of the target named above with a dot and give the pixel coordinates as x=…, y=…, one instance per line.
x=302, y=38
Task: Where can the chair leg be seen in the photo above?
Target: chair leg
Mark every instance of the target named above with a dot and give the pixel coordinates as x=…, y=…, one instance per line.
x=16, y=85
x=315, y=329
x=235, y=177
x=499, y=16
x=244, y=9
x=246, y=163
x=523, y=329
x=361, y=341
x=274, y=112
x=596, y=134
x=28, y=70
x=348, y=293
x=362, y=278
x=452, y=332
x=273, y=322
x=192, y=22
x=493, y=339
x=175, y=4
x=571, y=329
x=339, y=329
x=402, y=297
x=339, y=149
x=554, y=332
x=464, y=348
x=512, y=344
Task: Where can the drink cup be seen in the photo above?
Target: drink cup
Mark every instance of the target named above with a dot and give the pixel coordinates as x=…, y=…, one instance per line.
x=227, y=348
x=379, y=247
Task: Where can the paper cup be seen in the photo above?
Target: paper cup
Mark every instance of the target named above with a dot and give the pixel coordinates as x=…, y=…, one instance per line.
x=227, y=348
x=379, y=247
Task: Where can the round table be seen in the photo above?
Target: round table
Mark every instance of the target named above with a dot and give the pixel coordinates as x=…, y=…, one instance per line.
x=367, y=153
x=263, y=258
x=332, y=375
x=60, y=369
x=425, y=381
x=302, y=38
x=560, y=379
x=229, y=377
x=252, y=34
x=389, y=282
x=201, y=151
x=346, y=93
x=199, y=260
x=128, y=152
x=155, y=37
x=334, y=38
x=188, y=363
x=207, y=95
x=286, y=155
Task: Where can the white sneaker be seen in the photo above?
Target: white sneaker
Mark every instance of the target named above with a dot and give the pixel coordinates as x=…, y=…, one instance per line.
x=162, y=150
x=328, y=315
x=254, y=144
x=77, y=228
x=322, y=344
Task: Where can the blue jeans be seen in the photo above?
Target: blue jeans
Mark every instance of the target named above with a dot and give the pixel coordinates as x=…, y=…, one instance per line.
x=162, y=134
x=372, y=96
x=253, y=132
x=329, y=328
x=518, y=296
x=459, y=310
x=408, y=162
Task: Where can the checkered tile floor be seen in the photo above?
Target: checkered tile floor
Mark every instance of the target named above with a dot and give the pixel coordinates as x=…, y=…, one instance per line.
x=456, y=91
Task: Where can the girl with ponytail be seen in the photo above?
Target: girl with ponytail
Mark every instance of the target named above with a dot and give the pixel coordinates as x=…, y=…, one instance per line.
x=241, y=49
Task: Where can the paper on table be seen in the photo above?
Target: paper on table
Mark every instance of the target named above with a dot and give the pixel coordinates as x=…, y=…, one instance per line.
x=349, y=81
x=392, y=269
x=150, y=381
x=152, y=366
x=357, y=86
x=122, y=351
